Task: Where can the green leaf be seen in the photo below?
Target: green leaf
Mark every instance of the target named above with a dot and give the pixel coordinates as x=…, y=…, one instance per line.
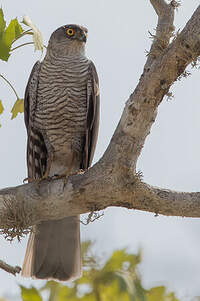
x=87, y=297
x=7, y=40
x=18, y=28
x=28, y=294
x=157, y=294
x=50, y=285
x=8, y=36
x=86, y=247
x=2, y=22
x=87, y=277
x=119, y=258
x=172, y=297
x=140, y=292
x=1, y=107
x=117, y=280
x=59, y=292
x=4, y=52
x=66, y=293
x=112, y=293
x=17, y=108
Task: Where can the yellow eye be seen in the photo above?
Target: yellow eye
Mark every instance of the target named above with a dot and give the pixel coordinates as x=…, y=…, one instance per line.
x=70, y=32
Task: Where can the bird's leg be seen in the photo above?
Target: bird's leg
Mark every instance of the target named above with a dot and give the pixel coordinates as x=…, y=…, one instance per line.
x=49, y=162
x=67, y=173
x=80, y=171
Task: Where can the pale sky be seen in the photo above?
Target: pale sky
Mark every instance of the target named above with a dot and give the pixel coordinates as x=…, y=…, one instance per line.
x=118, y=38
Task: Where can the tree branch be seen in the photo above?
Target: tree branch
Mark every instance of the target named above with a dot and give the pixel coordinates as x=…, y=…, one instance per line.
x=84, y=193
x=164, y=30
x=160, y=7
x=113, y=180
x=10, y=269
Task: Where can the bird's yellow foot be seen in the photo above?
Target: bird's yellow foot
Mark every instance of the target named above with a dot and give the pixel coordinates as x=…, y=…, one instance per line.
x=62, y=176
x=37, y=181
x=45, y=177
x=66, y=175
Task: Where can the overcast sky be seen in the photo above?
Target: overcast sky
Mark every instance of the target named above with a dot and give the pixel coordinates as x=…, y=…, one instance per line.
x=118, y=38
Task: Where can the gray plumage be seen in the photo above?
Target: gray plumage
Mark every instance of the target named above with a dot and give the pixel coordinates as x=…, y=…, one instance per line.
x=62, y=119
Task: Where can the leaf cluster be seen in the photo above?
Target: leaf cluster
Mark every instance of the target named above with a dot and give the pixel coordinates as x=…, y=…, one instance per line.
x=117, y=279
x=8, y=35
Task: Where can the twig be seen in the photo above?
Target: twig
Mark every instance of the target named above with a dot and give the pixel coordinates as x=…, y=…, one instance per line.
x=10, y=85
x=23, y=34
x=10, y=269
x=92, y=216
x=28, y=43
x=24, y=44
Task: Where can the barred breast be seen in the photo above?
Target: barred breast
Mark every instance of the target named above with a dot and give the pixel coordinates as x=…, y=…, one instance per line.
x=62, y=105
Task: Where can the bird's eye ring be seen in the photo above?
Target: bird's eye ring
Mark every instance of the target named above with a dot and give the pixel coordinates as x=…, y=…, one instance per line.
x=70, y=32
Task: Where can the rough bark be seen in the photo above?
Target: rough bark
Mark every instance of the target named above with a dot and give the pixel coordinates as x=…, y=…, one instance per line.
x=113, y=180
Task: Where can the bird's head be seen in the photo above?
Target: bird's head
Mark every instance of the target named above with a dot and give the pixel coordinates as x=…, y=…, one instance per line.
x=68, y=40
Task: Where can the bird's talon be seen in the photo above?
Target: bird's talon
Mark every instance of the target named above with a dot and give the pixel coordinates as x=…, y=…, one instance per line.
x=28, y=179
x=24, y=180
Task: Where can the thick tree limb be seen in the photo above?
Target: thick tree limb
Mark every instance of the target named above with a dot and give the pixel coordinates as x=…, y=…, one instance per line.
x=84, y=193
x=113, y=180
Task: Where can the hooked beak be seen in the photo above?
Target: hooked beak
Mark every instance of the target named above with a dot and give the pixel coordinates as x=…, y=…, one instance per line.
x=83, y=37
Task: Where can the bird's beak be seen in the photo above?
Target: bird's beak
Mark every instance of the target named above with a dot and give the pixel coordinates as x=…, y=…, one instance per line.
x=84, y=37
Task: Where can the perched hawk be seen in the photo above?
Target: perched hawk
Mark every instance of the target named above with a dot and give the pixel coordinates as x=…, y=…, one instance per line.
x=62, y=119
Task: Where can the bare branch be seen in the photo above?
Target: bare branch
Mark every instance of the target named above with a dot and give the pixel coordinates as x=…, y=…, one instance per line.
x=10, y=269
x=83, y=192
x=164, y=30
x=160, y=6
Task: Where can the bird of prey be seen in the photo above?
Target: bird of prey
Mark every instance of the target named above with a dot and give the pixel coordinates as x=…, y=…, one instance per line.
x=61, y=109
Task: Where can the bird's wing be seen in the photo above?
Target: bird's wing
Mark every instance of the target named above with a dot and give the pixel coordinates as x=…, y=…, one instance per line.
x=36, y=149
x=93, y=114
x=30, y=98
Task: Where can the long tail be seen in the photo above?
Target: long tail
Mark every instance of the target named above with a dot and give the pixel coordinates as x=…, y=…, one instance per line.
x=53, y=250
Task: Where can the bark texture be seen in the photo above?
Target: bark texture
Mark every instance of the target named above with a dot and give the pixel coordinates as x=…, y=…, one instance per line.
x=113, y=181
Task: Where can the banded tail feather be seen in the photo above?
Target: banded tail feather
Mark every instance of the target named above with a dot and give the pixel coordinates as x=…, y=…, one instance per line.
x=36, y=155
